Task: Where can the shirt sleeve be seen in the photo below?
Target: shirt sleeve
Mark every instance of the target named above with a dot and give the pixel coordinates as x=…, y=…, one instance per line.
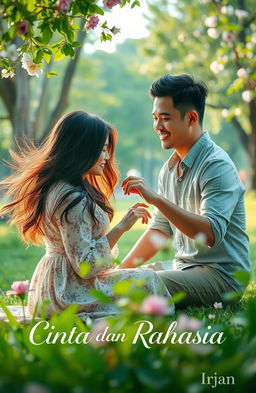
x=159, y=221
x=221, y=190
x=79, y=244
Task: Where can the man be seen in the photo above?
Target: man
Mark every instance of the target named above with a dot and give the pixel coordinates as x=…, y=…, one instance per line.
x=199, y=193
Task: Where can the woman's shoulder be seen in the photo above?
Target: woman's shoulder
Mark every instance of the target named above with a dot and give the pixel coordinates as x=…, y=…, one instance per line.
x=63, y=193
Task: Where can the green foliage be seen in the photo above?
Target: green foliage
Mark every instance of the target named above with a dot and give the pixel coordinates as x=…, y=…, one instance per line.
x=53, y=359
x=121, y=366
x=183, y=40
x=49, y=28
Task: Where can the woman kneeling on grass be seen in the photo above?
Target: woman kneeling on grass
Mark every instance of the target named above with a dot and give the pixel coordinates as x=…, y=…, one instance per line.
x=60, y=197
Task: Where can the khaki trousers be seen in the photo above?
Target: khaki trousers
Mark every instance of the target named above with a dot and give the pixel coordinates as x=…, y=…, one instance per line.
x=203, y=285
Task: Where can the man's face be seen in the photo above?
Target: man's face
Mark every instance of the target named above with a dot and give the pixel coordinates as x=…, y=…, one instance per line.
x=173, y=131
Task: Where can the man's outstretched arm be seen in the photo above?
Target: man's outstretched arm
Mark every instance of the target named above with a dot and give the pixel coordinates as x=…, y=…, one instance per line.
x=143, y=249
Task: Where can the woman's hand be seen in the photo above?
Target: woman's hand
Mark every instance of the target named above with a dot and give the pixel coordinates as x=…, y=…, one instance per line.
x=135, y=212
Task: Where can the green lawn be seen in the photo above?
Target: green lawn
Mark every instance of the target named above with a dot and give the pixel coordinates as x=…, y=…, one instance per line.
x=18, y=261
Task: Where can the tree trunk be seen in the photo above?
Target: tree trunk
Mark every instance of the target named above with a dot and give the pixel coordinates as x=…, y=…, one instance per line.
x=252, y=145
x=21, y=118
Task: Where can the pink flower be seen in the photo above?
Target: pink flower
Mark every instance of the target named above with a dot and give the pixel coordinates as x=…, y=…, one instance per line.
x=226, y=36
x=247, y=96
x=241, y=14
x=63, y=5
x=159, y=241
x=23, y=27
x=111, y=3
x=217, y=305
x=155, y=305
x=211, y=316
x=211, y=21
x=92, y=22
x=19, y=288
x=242, y=73
x=97, y=331
x=186, y=323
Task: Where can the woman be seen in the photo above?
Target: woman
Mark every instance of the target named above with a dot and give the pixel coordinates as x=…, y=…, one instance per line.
x=60, y=197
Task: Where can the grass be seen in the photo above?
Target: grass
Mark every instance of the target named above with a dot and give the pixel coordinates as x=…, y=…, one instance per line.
x=18, y=261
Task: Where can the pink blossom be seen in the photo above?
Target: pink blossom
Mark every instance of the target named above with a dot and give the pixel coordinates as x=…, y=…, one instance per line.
x=216, y=67
x=155, y=305
x=242, y=73
x=211, y=21
x=23, y=27
x=217, y=305
x=111, y=3
x=92, y=22
x=237, y=111
x=241, y=14
x=213, y=33
x=211, y=316
x=200, y=240
x=225, y=113
x=159, y=241
x=186, y=323
x=226, y=36
x=197, y=33
x=98, y=329
x=227, y=10
x=19, y=288
x=63, y=5
x=247, y=96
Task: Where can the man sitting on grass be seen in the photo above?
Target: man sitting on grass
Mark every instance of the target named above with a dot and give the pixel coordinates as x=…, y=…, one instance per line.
x=199, y=193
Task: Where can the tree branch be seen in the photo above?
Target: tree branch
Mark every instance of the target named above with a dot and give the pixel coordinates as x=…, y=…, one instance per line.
x=41, y=102
x=66, y=84
x=8, y=94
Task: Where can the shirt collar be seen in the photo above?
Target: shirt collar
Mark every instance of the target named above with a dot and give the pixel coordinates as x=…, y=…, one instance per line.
x=188, y=160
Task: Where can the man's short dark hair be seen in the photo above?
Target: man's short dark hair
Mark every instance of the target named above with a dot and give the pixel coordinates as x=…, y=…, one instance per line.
x=185, y=91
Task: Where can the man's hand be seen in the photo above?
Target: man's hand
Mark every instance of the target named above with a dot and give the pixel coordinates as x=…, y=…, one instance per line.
x=136, y=185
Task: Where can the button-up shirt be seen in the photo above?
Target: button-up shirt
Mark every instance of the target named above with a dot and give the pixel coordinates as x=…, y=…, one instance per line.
x=207, y=184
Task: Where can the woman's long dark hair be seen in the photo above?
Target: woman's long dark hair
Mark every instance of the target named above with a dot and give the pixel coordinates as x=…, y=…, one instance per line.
x=71, y=149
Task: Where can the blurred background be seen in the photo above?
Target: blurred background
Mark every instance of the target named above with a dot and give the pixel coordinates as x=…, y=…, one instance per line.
x=212, y=40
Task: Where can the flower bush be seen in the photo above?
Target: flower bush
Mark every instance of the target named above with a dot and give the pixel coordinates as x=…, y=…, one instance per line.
x=115, y=363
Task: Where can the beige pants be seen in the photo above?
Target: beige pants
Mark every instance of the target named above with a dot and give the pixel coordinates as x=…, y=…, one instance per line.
x=203, y=285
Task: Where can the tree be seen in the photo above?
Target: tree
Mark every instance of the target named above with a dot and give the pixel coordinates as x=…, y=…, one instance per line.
x=215, y=41
x=35, y=34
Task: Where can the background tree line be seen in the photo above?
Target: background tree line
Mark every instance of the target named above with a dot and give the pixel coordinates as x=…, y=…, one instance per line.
x=116, y=85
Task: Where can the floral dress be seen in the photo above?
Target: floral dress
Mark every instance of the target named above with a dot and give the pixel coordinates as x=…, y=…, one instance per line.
x=57, y=277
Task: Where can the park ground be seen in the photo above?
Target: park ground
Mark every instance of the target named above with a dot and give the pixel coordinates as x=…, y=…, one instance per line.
x=18, y=260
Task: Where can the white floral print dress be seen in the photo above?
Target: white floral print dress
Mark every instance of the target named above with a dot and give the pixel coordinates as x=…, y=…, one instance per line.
x=57, y=276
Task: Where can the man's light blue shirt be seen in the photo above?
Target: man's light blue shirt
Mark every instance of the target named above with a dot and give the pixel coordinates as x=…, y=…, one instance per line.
x=209, y=185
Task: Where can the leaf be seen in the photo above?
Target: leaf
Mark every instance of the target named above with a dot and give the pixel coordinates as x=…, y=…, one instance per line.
x=242, y=276
x=122, y=288
x=84, y=269
x=50, y=74
x=94, y=9
x=177, y=297
x=39, y=55
x=100, y=296
x=12, y=320
x=135, y=3
x=75, y=44
x=75, y=26
x=12, y=31
x=68, y=50
x=58, y=55
x=47, y=35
